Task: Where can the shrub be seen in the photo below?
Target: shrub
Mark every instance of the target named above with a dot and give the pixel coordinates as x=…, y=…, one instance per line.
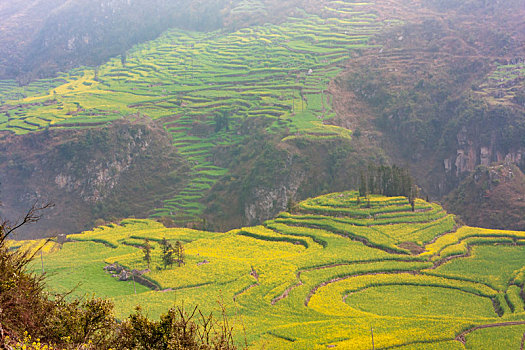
x=27, y=311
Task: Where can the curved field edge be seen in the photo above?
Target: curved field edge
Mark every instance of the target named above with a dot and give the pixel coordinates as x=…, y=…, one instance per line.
x=291, y=286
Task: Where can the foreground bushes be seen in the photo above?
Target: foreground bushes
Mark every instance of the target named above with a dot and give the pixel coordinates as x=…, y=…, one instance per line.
x=31, y=318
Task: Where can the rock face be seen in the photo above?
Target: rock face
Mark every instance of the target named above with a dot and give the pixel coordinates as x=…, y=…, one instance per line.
x=117, y=171
x=270, y=200
x=492, y=197
x=473, y=151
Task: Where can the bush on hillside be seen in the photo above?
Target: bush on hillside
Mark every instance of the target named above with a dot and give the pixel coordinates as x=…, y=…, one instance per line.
x=31, y=318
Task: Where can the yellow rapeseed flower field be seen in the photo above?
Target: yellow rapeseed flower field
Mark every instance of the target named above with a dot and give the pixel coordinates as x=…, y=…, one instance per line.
x=316, y=278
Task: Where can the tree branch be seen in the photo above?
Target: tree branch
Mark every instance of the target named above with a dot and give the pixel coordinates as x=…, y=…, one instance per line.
x=33, y=215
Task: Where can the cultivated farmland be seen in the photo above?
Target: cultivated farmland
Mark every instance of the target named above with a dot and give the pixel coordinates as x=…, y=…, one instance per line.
x=323, y=275
x=203, y=86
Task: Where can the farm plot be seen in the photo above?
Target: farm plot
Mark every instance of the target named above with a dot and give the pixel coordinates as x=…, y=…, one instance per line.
x=298, y=284
x=501, y=86
x=390, y=225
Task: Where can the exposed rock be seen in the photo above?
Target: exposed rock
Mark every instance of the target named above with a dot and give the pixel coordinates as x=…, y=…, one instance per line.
x=62, y=238
x=124, y=275
x=114, y=268
x=120, y=170
x=254, y=273
x=491, y=197
x=485, y=156
x=136, y=272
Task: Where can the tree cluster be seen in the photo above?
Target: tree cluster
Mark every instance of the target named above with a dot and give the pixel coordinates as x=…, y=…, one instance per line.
x=172, y=254
x=222, y=121
x=387, y=181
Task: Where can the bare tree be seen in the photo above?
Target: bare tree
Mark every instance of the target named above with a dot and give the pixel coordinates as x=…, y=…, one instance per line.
x=34, y=214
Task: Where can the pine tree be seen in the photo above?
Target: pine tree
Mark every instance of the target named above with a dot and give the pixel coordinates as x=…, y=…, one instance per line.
x=290, y=205
x=385, y=180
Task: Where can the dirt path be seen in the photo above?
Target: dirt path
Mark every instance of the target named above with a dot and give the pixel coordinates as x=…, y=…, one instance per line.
x=324, y=284
x=452, y=257
x=255, y=275
x=256, y=284
x=300, y=282
x=461, y=337
x=288, y=290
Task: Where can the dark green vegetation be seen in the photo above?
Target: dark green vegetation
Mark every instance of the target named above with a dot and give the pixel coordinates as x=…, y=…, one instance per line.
x=388, y=181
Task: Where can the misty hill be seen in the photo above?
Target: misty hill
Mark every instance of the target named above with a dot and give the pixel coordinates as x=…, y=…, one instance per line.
x=43, y=37
x=267, y=114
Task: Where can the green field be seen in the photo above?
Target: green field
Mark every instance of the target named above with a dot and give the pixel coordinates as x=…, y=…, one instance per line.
x=321, y=276
x=502, y=85
x=190, y=79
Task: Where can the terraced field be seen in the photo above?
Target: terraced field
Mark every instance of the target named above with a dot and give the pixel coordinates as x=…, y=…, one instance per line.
x=322, y=276
x=501, y=86
x=204, y=85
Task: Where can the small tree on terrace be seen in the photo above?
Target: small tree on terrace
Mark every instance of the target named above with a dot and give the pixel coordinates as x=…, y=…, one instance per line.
x=146, y=248
x=363, y=185
x=222, y=121
x=414, y=193
x=179, y=252
x=167, y=253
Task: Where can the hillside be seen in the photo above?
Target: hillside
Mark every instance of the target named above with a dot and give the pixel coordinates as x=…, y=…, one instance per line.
x=42, y=38
x=214, y=92
x=491, y=197
x=120, y=170
x=321, y=276
x=289, y=100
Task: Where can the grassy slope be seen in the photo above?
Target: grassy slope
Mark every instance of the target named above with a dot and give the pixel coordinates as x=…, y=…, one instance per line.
x=319, y=276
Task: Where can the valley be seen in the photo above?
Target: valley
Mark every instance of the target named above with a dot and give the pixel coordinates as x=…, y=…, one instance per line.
x=203, y=87
x=407, y=81
x=235, y=157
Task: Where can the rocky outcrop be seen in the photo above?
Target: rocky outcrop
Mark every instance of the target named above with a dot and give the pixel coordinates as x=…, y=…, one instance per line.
x=271, y=200
x=471, y=153
x=491, y=197
x=119, y=272
x=121, y=170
